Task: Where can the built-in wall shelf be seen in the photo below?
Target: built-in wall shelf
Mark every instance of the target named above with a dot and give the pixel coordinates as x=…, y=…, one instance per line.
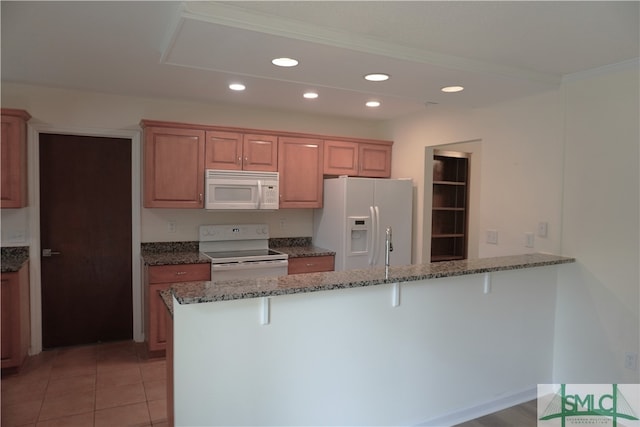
x=449, y=206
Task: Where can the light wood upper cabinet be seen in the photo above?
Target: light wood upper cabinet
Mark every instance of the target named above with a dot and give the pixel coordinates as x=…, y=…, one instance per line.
x=173, y=167
x=340, y=158
x=374, y=160
x=260, y=152
x=357, y=159
x=13, y=167
x=223, y=150
x=300, y=167
x=237, y=151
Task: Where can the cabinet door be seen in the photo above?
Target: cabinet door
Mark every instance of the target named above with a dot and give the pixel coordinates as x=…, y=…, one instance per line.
x=311, y=264
x=157, y=320
x=375, y=160
x=340, y=158
x=174, y=168
x=300, y=167
x=157, y=279
x=179, y=273
x=223, y=150
x=13, y=157
x=16, y=331
x=260, y=153
x=9, y=308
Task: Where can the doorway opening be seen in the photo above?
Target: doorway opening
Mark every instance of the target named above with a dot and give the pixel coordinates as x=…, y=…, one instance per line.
x=450, y=217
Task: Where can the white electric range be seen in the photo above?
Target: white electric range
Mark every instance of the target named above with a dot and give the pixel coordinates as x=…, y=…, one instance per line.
x=241, y=252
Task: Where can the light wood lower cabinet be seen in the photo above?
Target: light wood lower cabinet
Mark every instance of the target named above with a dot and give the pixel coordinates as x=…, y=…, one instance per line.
x=311, y=264
x=157, y=279
x=16, y=330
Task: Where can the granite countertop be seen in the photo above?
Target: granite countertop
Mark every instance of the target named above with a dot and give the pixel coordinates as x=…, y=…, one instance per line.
x=297, y=247
x=303, y=251
x=201, y=292
x=173, y=258
x=13, y=258
x=172, y=253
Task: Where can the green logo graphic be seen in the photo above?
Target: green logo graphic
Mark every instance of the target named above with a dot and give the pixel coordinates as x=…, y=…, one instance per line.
x=580, y=406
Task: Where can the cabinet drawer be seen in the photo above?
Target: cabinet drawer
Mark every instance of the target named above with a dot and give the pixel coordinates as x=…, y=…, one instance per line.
x=311, y=264
x=179, y=273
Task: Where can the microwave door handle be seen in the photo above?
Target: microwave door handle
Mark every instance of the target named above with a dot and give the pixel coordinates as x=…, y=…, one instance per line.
x=259, y=202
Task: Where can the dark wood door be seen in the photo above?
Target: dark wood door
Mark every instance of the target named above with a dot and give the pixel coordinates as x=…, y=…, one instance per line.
x=85, y=220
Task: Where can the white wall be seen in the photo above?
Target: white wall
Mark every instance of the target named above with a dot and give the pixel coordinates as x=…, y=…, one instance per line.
x=598, y=298
x=348, y=357
x=570, y=158
x=521, y=167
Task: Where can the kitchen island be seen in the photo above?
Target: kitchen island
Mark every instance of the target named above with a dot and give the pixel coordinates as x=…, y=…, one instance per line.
x=422, y=346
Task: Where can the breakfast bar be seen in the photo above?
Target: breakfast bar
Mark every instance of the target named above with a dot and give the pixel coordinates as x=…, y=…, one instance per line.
x=356, y=348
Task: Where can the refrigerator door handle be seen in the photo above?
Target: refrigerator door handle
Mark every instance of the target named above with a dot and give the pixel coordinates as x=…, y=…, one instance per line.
x=377, y=234
x=372, y=237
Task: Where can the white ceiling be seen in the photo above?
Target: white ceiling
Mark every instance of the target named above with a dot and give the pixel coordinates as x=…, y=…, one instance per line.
x=193, y=50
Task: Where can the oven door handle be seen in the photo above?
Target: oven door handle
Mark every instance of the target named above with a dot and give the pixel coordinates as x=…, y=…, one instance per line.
x=249, y=265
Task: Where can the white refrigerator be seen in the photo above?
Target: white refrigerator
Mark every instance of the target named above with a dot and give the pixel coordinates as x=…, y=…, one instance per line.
x=355, y=215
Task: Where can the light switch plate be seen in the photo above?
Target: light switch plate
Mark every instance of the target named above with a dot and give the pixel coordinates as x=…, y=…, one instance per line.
x=492, y=237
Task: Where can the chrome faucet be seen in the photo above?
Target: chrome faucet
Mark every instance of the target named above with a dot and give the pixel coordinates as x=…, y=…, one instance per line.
x=388, y=247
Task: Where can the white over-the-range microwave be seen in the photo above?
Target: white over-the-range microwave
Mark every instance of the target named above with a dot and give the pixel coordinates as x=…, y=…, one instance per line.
x=239, y=190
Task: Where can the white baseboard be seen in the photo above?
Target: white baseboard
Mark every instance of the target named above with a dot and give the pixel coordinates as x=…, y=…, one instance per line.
x=466, y=414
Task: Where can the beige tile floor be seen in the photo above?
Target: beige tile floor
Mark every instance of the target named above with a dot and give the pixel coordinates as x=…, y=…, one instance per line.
x=102, y=385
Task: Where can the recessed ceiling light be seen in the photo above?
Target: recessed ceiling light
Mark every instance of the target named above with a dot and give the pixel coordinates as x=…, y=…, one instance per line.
x=376, y=77
x=452, y=89
x=237, y=86
x=373, y=104
x=310, y=95
x=285, y=62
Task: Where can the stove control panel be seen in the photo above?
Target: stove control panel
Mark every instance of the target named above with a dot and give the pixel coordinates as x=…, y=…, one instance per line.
x=216, y=233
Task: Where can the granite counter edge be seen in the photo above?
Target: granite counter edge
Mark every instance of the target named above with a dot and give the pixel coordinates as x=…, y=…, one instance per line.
x=198, y=292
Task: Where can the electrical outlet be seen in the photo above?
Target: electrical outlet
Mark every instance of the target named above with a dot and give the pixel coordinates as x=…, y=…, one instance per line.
x=283, y=223
x=171, y=226
x=528, y=240
x=492, y=237
x=631, y=361
x=542, y=229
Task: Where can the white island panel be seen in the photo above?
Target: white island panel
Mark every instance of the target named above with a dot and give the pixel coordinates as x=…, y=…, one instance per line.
x=349, y=357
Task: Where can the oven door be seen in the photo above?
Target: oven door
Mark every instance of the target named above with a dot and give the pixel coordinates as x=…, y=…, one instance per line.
x=248, y=270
